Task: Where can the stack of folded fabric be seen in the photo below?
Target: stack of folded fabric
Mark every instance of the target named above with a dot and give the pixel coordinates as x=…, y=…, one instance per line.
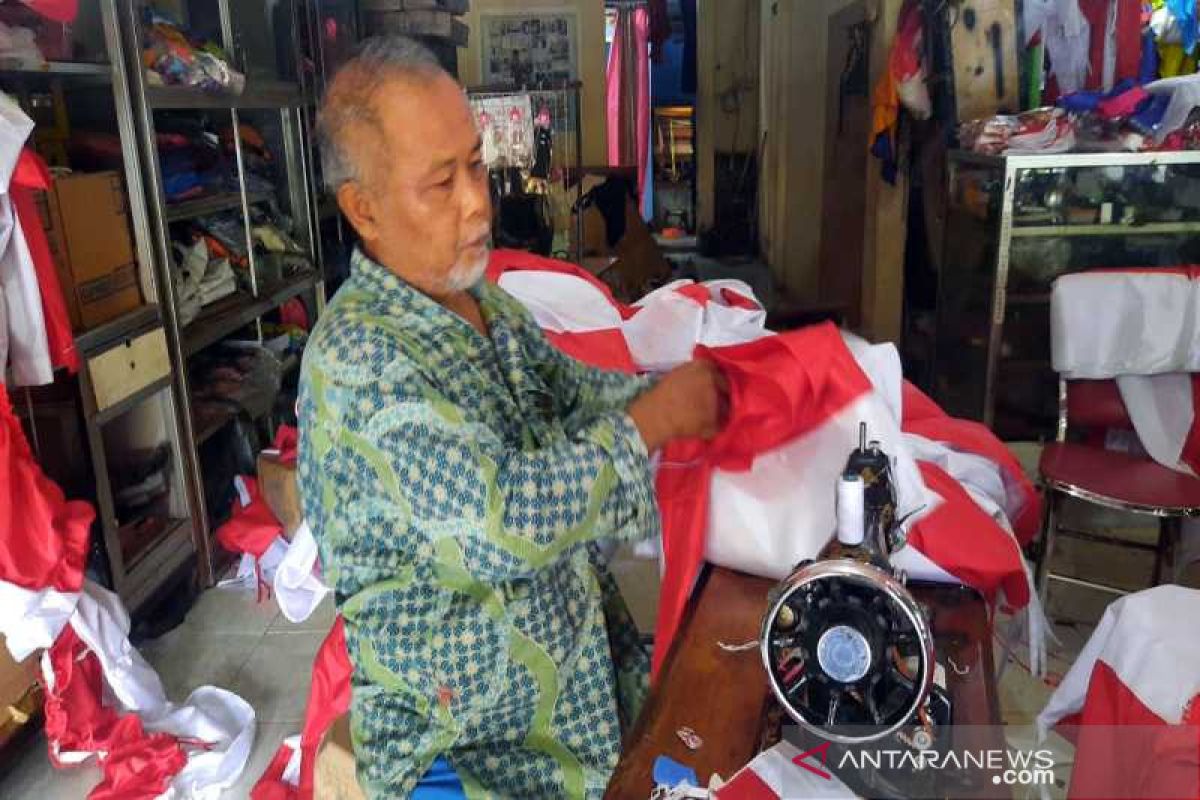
x=202, y=277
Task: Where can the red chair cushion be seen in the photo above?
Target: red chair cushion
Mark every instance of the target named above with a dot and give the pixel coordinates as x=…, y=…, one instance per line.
x=1096, y=405
x=1119, y=477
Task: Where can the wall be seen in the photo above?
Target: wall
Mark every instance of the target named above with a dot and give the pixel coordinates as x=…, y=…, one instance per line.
x=793, y=93
x=727, y=76
x=590, y=29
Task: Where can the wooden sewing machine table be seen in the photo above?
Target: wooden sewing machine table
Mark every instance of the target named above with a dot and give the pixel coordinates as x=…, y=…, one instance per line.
x=724, y=697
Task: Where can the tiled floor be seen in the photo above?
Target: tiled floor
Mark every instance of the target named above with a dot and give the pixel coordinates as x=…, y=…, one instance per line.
x=230, y=640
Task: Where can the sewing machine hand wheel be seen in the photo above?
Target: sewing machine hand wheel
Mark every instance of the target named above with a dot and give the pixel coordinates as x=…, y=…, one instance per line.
x=848, y=651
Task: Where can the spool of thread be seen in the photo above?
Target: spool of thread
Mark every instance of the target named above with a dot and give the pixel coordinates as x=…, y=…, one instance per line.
x=850, y=523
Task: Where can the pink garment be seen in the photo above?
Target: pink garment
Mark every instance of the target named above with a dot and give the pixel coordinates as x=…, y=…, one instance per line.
x=641, y=92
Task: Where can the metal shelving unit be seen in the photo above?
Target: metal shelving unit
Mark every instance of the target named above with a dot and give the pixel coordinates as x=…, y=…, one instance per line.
x=1009, y=234
x=159, y=559
x=278, y=103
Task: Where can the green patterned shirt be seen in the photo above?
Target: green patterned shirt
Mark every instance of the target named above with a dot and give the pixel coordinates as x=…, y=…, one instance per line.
x=458, y=486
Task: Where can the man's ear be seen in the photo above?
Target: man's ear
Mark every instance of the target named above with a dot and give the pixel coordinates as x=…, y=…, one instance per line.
x=358, y=207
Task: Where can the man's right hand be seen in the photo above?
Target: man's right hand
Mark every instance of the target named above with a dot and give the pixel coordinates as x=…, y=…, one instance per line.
x=690, y=401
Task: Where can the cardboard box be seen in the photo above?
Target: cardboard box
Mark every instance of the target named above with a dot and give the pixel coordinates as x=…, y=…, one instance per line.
x=637, y=264
x=87, y=226
x=334, y=773
x=441, y=24
x=277, y=482
x=19, y=695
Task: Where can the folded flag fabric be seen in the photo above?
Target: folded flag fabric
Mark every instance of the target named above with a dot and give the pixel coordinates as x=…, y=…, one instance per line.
x=1131, y=700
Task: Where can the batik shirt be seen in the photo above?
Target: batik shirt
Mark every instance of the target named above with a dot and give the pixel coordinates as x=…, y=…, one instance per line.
x=458, y=486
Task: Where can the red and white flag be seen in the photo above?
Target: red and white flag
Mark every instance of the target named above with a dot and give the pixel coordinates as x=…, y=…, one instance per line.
x=784, y=772
x=758, y=497
x=103, y=700
x=1132, y=700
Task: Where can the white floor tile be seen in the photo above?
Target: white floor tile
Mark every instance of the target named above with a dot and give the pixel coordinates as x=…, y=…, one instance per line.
x=232, y=609
x=321, y=619
x=276, y=677
x=32, y=777
x=188, y=657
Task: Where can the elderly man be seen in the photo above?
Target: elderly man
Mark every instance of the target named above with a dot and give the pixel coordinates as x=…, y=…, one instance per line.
x=459, y=473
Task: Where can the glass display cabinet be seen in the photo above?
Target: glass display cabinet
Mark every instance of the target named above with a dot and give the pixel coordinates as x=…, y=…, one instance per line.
x=1015, y=223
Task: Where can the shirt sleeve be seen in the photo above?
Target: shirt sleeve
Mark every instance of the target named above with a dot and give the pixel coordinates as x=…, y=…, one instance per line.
x=418, y=476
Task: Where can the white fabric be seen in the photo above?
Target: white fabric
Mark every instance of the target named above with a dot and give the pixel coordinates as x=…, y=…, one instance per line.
x=768, y=518
x=1151, y=640
x=32, y=619
x=23, y=343
x=1162, y=410
x=561, y=302
x=212, y=715
x=297, y=587
x=1066, y=34
x=1184, y=91
x=1148, y=325
x=1059, y=23
x=1148, y=339
x=790, y=781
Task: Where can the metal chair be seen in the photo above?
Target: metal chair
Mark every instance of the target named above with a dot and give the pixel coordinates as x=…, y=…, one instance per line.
x=1107, y=478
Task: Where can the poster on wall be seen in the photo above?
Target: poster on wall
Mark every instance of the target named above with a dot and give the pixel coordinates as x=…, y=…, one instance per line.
x=529, y=49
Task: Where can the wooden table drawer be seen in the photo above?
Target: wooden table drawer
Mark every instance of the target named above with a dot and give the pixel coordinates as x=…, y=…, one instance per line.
x=125, y=369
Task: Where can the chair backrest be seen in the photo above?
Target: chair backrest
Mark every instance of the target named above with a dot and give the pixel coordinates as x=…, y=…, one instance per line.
x=1091, y=405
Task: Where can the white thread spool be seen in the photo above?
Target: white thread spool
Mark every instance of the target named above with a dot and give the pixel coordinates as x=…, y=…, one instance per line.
x=850, y=502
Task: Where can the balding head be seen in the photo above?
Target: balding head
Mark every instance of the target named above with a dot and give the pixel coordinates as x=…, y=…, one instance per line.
x=348, y=118
x=402, y=153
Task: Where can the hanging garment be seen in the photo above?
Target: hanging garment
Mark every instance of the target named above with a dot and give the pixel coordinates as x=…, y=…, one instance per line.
x=634, y=24
x=1066, y=32
x=1131, y=700
x=23, y=342
x=32, y=175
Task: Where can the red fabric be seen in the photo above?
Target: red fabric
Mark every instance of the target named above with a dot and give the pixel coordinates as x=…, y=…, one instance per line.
x=43, y=536
x=287, y=442
x=746, y=785
x=1111, y=762
x=1124, y=104
x=57, y=10
x=695, y=292
x=780, y=388
x=272, y=786
x=990, y=561
x=1128, y=39
x=328, y=699
x=1190, y=454
x=604, y=349
x=923, y=417
x=76, y=719
x=1119, y=476
x=293, y=312
x=32, y=175
x=735, y=300
x=251, y=528
x=137, y=765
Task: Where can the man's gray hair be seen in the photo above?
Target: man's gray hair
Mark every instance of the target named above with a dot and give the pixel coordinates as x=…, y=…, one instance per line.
x=348, y=101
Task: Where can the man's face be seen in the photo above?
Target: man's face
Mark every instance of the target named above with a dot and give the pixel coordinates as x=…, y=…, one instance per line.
x=426, y=186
